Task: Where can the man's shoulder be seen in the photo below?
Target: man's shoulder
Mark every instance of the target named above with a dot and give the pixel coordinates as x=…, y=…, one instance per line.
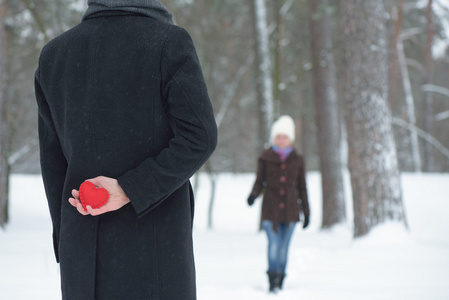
x=61, y=39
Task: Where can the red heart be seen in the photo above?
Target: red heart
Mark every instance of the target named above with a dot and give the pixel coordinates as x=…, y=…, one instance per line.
x=93, y=196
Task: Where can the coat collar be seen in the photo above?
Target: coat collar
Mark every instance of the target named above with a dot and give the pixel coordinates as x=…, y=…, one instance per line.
x=112, y=13
x=150, y=8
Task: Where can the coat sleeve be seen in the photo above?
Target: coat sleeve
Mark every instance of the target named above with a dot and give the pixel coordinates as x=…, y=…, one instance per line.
x=191, y=116
x=302, y=188
x=52, y=159
x=259, y=184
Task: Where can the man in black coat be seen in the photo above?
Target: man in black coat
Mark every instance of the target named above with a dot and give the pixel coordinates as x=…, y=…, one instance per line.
x=123, y=103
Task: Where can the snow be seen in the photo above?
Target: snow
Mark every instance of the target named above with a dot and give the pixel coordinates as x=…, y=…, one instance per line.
x=441, y=44
x=389, y=263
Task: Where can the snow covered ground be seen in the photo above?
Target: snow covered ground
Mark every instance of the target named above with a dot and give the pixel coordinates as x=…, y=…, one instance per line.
x=390, y=263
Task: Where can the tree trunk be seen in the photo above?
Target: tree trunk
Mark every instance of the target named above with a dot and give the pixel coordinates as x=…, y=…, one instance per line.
x=327, y=116
x=428, y=96
x=213, y=180
x=4, y=135
x=410, y=105
x=373, y=166
x=264, y=82
x=210, y=213
x=397, y=12
x=277, y=68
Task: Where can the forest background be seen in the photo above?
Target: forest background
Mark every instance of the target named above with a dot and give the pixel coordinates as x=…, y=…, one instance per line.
x=261, y=59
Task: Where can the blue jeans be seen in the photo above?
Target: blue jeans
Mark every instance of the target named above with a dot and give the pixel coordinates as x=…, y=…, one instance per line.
x=278, y=243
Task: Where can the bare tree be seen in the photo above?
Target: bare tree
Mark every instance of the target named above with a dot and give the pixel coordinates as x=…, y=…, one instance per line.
x=397, y=12
x=327, y=116
x=264, y=82
x=225, y=34
x=280, y=9
x=424, y=135
x=4, y=134
x=277, y=68
x=428, y=96
x=409, y=99
x=375, y=180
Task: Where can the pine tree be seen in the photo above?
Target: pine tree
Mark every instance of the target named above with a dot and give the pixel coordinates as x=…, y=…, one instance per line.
x=4, y=134
x=373, y=166
x=326, y=113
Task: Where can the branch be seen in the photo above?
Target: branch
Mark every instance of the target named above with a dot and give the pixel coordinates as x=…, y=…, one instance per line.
x=286, y=7
x=408, y=33
x=435, y=89
x=22, y=152
x=230, y=95
x=422, y=134
x=31, y=8
x=416, y=64
x=442, y=116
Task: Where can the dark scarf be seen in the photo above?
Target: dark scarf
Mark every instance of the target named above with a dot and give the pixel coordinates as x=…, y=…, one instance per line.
x=150, y=8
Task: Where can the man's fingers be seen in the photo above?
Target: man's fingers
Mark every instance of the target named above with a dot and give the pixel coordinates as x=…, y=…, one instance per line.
x=76, y=203
x=81, y=210
x=117, y=197
x=90, y=210
x=95, y=212
x=72, y=201
x=75, y=194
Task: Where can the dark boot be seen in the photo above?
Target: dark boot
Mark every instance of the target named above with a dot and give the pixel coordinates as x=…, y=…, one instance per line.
x=273, y=278
x=281, y=277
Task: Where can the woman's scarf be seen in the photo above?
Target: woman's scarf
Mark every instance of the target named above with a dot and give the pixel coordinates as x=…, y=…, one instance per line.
x=283, y=153
x=150, y=8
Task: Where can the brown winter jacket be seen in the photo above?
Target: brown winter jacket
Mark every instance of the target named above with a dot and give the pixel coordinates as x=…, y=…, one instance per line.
x=284, y=185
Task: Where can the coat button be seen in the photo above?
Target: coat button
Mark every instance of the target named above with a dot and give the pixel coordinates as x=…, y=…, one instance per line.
x=281, y=205
x=283, y=179
x=283, y=166
x=282, y=192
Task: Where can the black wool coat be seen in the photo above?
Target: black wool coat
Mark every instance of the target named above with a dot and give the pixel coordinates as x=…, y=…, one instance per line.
x=122, y=95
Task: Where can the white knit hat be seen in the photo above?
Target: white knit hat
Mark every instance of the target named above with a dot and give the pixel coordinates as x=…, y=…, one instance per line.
x=283, y=125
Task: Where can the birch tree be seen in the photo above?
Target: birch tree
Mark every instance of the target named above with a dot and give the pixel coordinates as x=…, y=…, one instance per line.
x=327, y=116
x=264, y=82
x=428, y=96
x=30, y=24
x=372, y=160
x=397, y=13
x=409, y=99
x=4, y=135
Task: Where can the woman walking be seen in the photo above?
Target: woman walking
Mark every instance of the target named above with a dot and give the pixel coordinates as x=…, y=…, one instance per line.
x=281, y=177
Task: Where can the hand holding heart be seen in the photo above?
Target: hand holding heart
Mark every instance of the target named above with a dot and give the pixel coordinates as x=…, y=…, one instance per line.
x=117, y=197
x=93, y=196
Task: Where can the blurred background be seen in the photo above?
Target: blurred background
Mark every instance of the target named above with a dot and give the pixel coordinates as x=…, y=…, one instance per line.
x=258, y=58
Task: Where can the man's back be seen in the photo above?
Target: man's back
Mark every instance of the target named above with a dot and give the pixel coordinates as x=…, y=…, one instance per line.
x=100, y=82
x=122, y=95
